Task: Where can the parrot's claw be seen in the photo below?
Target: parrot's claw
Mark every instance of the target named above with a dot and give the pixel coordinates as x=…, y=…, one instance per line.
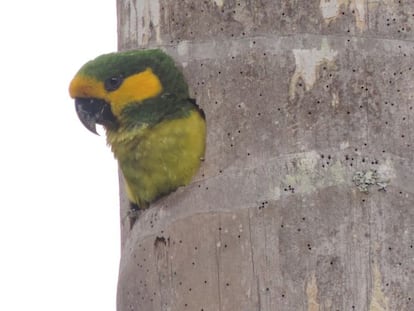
x=133, y=214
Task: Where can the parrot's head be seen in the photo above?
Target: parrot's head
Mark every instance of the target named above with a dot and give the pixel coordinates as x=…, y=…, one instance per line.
x=105, y=86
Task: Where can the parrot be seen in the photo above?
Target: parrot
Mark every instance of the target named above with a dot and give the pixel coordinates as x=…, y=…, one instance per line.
x=155, y=130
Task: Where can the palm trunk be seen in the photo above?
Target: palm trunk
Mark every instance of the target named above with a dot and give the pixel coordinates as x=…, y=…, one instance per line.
x=305, y=199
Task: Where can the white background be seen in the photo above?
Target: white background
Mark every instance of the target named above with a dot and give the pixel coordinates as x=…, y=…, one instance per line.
x=59, y=214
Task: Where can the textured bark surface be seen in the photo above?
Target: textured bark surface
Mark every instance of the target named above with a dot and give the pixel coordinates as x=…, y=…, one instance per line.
x=306, y=198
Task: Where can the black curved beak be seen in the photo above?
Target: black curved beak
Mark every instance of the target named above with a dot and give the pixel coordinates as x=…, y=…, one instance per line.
x=92, y=111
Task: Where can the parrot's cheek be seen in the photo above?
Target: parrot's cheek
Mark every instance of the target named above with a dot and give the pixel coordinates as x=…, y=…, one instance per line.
x=92, y=111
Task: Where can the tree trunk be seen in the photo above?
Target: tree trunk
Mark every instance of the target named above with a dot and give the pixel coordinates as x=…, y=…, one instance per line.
x=305, y=199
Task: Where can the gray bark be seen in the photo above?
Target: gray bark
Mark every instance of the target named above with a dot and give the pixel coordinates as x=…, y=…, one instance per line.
x=305, y=199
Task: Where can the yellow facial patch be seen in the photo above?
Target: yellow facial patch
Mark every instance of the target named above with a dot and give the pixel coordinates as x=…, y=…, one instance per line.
x=135, y=88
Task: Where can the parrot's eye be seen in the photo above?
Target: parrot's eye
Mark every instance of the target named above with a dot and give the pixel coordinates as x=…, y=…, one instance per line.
x=113, y=83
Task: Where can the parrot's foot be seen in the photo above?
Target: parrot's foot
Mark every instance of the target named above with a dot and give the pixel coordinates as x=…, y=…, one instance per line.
x=133, y=214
